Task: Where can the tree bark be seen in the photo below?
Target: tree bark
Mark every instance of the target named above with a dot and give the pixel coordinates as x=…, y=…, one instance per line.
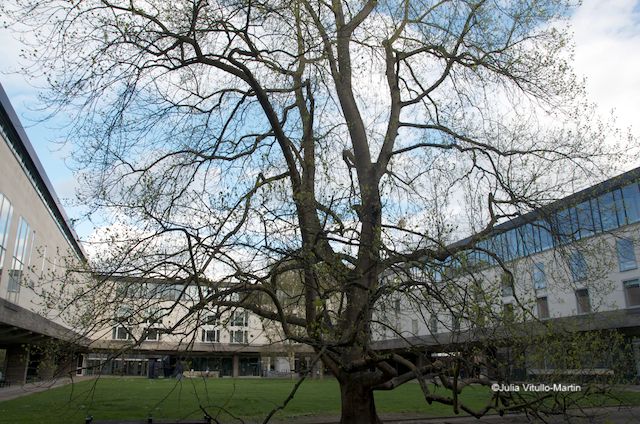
x=358, y=403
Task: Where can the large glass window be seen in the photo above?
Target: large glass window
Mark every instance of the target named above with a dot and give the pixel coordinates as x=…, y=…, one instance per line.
x=512, y=245
x=20, y=254
x=531, y=238
x=583, y=301
x=6, y=210
x=539, y=277
x=567, y=225
x=631, y=202
x=577, y=266
x=622, y=218
x=626, y=254
x=585, y=219
x=608, y=214
x=546, y=240
x=632, y=292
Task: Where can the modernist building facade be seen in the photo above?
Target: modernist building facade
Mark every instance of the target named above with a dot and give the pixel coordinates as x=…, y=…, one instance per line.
x=146, y=320
x=572, y=264
x=36, y=244
x=573, y=261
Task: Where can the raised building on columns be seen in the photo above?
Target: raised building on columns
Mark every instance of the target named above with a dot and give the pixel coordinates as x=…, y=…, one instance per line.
x=36, y=244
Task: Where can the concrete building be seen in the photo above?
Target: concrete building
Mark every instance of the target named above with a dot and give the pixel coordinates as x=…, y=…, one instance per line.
x=572, y=264
x=146, y=319
x=36, y=244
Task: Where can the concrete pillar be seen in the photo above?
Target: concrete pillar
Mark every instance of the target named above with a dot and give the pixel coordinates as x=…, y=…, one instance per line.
x=266, y=365
x=17, y=363
x=318, y=369
x=292, y=364
x=47, y=366
x=420, y=360
x=235, y=365
x=636, y=356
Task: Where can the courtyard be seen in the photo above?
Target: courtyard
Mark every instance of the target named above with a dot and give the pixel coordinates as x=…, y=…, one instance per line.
x=228, y=400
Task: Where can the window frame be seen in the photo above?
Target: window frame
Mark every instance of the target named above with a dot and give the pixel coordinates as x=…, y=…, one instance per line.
x=538, y=269
x=578, y=304
x=625, y=283
x=546, y=302
x=620, y=252
x=234, y=333
x=115, y=331
x=205, y=333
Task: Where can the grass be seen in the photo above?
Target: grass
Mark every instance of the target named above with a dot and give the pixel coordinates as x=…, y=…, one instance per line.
x=139, y=398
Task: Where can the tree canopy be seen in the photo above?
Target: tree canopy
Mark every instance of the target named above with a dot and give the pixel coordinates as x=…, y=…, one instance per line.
x=238, y=141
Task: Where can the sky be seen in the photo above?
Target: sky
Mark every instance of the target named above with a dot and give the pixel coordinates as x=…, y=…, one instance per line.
x=607, y=54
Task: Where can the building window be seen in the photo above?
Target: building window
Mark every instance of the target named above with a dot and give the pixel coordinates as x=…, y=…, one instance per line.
x=542, y=304
x=44, y=261
x=211, y=336
x=6, y=210
x=239, y=336
x=414, y=326
x=455, y=322
x=212, y=320
x=632, y=292
x=631, y=197
x=153, y=334
x=539, y=277
x=507, y=312
x=583, y=302
x=506, y=284
x=577, y=266
x=433, y=324
x=626, y=255
x=20, y=255
x=120, y=333
x=124, y=313
x=154, y=316
x=239, y=319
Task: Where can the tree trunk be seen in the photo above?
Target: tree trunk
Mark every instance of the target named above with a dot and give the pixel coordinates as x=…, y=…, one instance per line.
x=358, y=404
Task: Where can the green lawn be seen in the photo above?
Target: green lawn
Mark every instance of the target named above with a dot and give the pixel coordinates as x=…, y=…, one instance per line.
x=137, y=398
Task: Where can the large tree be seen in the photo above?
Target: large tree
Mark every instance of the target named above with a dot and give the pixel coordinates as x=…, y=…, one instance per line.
x=241, y=141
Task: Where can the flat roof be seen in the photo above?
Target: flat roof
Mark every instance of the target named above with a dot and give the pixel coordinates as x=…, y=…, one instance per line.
x=545, y=211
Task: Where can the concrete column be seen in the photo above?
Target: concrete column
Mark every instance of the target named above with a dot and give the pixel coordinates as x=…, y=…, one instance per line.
x=266, y=365
x=420, y=360
x=47, y=366
x=292, y=364
x=318, y=369
x=636, y=356
x=235, y=366
x=17, y=363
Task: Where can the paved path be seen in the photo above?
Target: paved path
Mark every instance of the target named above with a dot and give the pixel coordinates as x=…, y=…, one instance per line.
x=16, y=391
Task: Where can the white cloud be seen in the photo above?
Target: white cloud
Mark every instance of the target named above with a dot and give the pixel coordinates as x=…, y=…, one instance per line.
x=607, y=37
